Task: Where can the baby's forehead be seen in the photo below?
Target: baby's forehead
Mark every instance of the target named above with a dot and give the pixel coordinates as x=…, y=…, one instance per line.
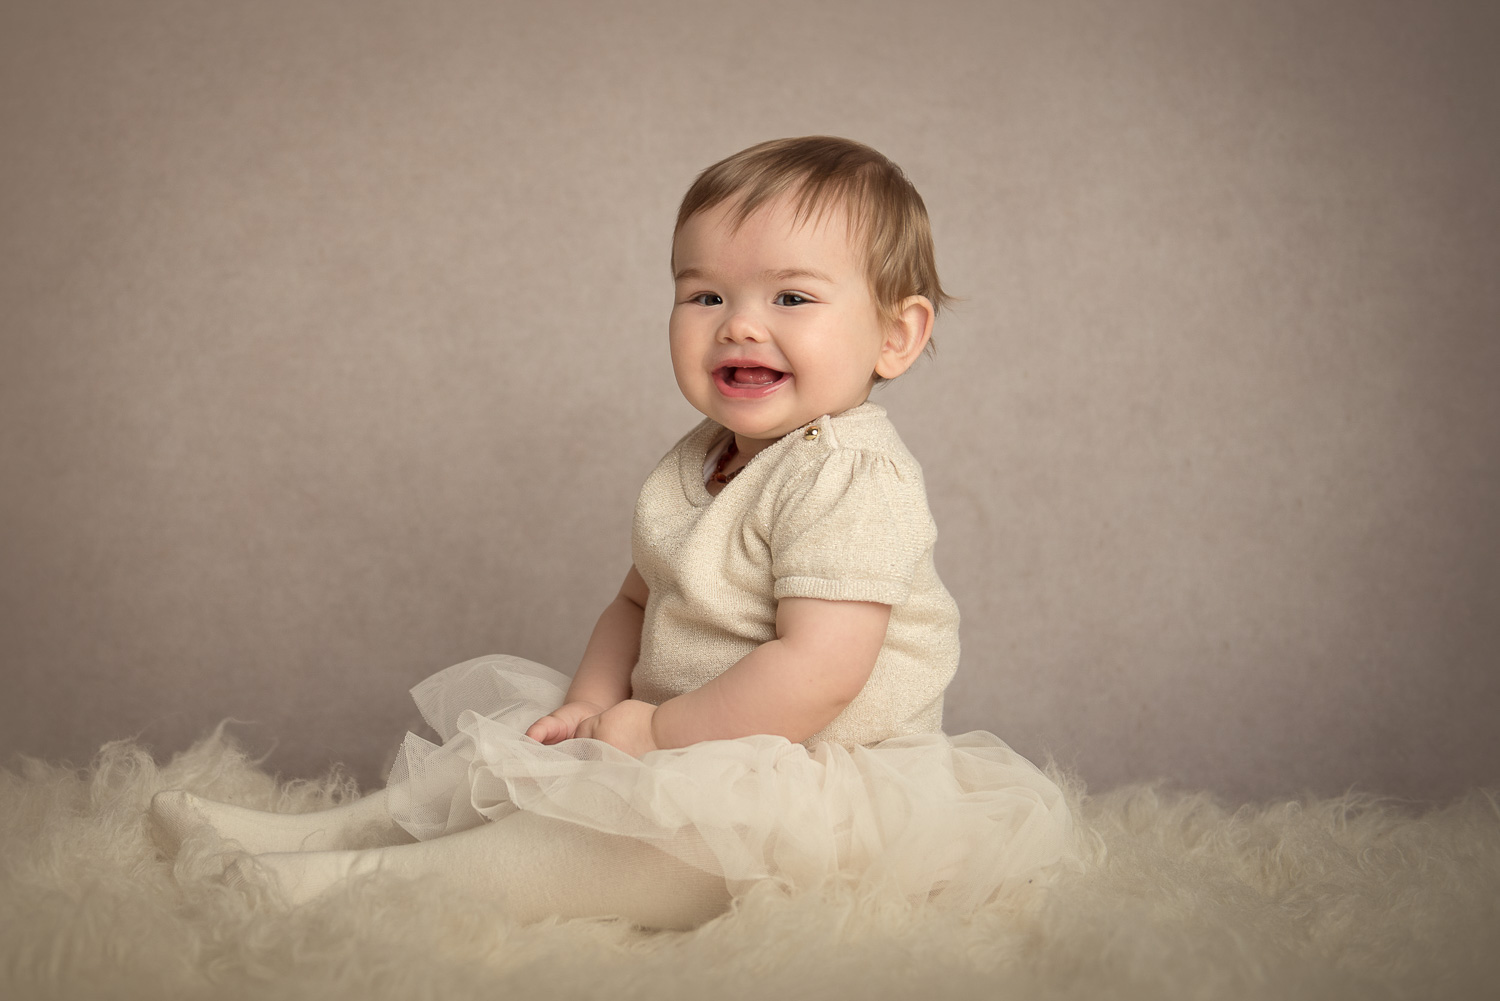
x=786, y=219
x=768, y=250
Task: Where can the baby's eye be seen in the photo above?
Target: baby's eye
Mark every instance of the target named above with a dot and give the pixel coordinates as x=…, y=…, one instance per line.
x=707, y=299
x=791, y=299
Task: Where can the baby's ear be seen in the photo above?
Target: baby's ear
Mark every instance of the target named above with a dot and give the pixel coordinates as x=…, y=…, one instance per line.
x=906, y=336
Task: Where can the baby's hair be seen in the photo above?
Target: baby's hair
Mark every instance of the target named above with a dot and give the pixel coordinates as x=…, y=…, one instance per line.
x=825, y=172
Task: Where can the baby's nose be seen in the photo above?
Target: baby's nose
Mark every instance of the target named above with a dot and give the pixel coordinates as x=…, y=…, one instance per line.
x=742, y=326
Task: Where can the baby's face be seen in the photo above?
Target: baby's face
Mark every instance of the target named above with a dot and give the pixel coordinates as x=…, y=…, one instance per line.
x=774, y=324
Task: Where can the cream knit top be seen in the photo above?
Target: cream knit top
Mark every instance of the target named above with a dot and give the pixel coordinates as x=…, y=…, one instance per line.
x=835, y=510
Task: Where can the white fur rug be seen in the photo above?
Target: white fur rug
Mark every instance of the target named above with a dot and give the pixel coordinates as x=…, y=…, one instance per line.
x=1340, y=898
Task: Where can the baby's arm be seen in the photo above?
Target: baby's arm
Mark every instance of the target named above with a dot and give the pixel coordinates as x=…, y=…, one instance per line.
x=792, y=686
x=602, y=680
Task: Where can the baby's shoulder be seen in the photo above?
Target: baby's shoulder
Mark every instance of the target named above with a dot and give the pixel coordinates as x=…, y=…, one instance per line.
x=852, y=459
x=858, y=445
x=867, y=430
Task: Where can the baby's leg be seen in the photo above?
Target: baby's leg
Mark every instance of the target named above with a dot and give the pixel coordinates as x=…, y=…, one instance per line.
x=533, y=867
x=363, y=823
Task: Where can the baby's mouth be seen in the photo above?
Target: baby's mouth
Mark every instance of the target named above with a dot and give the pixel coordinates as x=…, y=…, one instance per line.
x=749, y=382
x=749, y=375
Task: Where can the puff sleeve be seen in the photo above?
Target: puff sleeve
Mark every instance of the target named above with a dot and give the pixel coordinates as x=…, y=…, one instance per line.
x=852, y=527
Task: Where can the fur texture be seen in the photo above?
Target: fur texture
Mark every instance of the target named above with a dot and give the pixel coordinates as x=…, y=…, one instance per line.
x=1178, y=897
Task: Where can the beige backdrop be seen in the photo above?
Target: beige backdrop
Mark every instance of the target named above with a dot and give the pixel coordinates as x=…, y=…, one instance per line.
x=334, y=352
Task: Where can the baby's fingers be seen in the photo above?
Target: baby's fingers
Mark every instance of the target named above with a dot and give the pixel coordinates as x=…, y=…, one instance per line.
x=587, y=728
x=548, y=730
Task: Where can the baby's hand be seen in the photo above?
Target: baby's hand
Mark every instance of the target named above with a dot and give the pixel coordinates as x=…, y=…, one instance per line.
x=563, y=722
x=627, y=726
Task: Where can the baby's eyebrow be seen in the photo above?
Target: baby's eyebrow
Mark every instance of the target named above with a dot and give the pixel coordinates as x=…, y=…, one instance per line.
x=785, y=274
x=789, y=273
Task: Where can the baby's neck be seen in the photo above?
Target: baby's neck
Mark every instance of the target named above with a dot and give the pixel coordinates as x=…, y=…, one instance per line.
x=749, y=448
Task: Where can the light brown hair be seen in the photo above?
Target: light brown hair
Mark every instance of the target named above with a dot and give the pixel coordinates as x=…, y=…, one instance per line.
x=884, y=210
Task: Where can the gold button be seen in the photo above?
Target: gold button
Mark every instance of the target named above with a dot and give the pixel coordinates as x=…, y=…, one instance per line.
x=810, y=434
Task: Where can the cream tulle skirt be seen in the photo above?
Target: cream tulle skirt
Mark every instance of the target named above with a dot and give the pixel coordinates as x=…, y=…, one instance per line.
x=957, y=819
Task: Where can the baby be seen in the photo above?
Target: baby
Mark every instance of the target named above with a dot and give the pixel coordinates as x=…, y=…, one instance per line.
x=763, y=698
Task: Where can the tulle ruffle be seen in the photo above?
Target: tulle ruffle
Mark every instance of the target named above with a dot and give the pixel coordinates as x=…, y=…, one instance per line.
x=960, y=819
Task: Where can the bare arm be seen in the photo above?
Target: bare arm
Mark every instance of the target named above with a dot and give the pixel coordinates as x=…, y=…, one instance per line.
x=602, y=680
x=792, y=686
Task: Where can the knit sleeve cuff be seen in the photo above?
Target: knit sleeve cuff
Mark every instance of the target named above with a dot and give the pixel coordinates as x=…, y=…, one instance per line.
x=885, y=592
